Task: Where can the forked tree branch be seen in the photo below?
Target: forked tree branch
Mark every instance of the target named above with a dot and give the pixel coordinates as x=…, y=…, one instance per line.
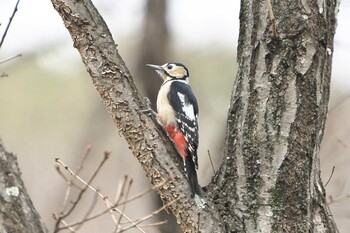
x=269, y=180
x=146, y=139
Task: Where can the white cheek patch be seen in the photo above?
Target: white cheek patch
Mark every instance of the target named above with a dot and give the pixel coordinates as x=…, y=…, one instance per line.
x=160, y=73
x=187, y=108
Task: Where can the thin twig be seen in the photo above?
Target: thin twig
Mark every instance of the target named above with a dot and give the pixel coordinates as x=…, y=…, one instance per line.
x=154, y=224
x=89, y=218
x=155, y=187
x=65, y=178
x=55, y=216
x=150, y=215
x=339, y=199
x=98, y=193
x=330, y=177
x=120, y=191
x=126, y=198
x=8, y=25
x=81, y=193
x=198, y=222
x=211, y=162
x=71, y=182
x=10, y=58
x=83, y=159
x=340, y=141
x=86, y=184
x=89, y=211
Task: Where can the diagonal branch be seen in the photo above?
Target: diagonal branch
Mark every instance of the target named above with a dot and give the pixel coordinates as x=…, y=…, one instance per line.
x=9, y=23
x=146, y=139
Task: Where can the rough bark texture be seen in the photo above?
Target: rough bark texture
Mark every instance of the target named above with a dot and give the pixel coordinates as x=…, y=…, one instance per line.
x=154, y=49
x=271, y=175
x=269, y=180
x=17, y=213
x=147, y=140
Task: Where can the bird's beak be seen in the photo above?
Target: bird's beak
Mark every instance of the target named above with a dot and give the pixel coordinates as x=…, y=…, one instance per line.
x=155, y=67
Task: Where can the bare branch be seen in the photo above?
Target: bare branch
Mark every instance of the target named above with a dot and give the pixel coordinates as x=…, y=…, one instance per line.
x=330, y=177
x=89, y=211
x=11, y=58
x=124, y=204
x=151, y=215
x=9, y=23
x=110, y=206
x=146, y=138
x=120, y=190
x=211, y=162
x=154, y=188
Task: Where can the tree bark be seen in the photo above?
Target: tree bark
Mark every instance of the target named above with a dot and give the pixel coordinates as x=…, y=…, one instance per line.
x=148, y=142
x=271, y=172
x=17, y=213
x=269, y=180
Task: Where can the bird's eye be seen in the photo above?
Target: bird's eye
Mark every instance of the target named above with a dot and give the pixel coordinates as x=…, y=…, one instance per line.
x=170, y=67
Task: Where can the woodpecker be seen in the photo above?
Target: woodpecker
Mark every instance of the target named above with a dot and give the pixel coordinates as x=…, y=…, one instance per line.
x=177, y=109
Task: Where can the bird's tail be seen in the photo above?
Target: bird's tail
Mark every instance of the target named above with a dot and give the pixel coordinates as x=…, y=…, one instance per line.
x=192, y=176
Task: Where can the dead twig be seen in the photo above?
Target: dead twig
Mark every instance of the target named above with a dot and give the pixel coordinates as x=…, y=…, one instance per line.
x=56, y=217
x=198, y=222
x=124, y=205
x=154, y=224
x=9, y=23
x=80, y=222
x=110, y=207
x=120, y=191
x=330, y=177
x=136, y=222
x=81, y=193
x=211, y=162
x=137, y=196
x=10, y=58
x=89, y=211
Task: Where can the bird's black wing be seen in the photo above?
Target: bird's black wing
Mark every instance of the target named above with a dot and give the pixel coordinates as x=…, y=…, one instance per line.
x=185, y=105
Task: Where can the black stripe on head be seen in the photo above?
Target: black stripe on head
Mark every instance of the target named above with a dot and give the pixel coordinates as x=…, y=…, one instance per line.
x=175, y=70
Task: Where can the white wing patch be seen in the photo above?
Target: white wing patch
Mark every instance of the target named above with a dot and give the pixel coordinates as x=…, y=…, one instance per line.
x=187, y=107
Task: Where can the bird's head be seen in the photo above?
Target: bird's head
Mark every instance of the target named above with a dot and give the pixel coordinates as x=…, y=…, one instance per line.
x=171, y=71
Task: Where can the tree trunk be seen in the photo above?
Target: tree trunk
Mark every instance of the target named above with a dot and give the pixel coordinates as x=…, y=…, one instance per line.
x=17, y=213
x=154, y=48
x=269, y=180
x=270, y=177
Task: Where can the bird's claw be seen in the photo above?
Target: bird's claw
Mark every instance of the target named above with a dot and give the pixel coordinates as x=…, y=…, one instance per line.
x=148, y=109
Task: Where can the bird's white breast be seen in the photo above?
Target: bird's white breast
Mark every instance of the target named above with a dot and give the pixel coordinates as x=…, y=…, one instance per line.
x=166, y=113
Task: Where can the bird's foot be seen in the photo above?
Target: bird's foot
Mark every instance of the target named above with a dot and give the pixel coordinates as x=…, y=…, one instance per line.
x=148, y=109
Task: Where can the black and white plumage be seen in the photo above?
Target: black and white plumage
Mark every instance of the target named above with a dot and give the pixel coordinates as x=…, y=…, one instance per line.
x=177, y=109
x=185, y=105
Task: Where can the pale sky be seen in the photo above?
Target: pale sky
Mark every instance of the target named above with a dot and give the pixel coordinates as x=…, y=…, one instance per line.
x=193, y=24
x=37, y=24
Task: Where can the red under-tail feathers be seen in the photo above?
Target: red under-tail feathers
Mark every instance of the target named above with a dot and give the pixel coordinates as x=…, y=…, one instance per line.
x=179, y=139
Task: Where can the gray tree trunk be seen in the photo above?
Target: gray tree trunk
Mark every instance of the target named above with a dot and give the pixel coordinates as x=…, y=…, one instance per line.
x=154, y=48
x=269, y=180
x=17, y=213
x=271, y=171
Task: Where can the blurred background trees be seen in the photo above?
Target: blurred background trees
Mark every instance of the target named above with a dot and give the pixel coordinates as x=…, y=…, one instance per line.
x=39, y=119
